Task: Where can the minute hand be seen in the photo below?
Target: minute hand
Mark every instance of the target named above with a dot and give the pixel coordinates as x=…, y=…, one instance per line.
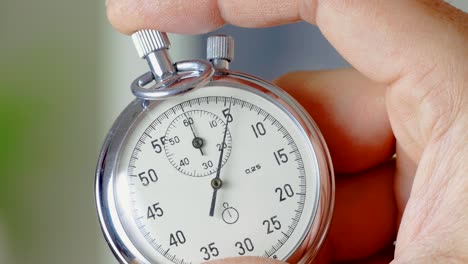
x=216, y=182
x=195, y=136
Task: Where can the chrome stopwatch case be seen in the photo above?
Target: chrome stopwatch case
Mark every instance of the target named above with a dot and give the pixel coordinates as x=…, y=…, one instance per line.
x=209, y=163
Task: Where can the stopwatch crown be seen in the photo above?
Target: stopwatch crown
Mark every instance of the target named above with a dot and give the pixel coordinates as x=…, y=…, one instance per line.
x=170, y=79
x=220, y=47
x=153, y=46
x=148, y=41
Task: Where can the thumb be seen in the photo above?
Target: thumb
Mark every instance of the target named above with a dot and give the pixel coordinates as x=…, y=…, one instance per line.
x=419, y=49
x=416, y=47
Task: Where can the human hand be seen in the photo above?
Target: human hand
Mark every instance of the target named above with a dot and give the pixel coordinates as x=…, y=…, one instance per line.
x=408, y=95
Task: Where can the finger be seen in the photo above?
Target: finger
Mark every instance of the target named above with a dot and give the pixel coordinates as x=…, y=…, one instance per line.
x=364, y=31
x=350, y=112
x=245, y=260
x=383, y=257
x=182, y=16
x=404, y=176
x=364, y=221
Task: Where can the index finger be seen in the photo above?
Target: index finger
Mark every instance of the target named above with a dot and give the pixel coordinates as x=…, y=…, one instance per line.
x=383, y=39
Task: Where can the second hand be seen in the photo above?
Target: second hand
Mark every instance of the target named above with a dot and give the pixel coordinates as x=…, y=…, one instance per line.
x=216, y=183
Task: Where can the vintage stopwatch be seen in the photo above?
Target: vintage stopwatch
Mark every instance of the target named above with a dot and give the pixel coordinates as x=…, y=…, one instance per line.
x=208, y=163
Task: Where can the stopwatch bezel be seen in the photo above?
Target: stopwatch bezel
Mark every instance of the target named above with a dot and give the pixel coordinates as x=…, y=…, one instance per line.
x=108, y=213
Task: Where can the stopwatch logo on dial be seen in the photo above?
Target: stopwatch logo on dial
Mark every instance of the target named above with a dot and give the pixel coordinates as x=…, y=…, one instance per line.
x=193, y=143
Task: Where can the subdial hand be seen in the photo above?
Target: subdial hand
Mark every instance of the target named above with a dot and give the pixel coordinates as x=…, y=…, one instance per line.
x=197, y=142
x=216, y=183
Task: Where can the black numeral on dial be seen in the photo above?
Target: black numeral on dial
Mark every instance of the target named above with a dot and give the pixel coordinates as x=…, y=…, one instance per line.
x=154, y=211
x=207, y=165
x=284, y=192
x=173, y=140
x=156, y=145
x=210, y=251
x=227, y=115
x=213, y=123
x=219, y=147
x=184, y=162
x=280, y=156
x=272, y=224
x=245, y=246
x=189, y=121
x=147, y=177
x=258, y=129
x=177, y=238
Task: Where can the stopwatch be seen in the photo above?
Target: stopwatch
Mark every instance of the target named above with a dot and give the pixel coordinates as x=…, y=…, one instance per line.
x=209, y=163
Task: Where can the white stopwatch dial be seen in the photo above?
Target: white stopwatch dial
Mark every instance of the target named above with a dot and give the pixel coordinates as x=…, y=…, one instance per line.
x=267, y=200
x=235, y=168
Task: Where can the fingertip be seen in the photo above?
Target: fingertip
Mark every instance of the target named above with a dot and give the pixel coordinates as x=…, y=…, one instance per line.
x=289, y=78
x=114, y=16
x=259, y=13
x=351, y=113
x=187, y=17
x=364, y=220
x=245, y=260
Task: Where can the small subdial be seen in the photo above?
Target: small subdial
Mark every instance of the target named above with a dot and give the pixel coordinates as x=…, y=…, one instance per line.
x=193, y=142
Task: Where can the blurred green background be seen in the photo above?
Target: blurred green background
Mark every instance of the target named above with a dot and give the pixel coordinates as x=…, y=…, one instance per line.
x=64, y=76
x=48, y=138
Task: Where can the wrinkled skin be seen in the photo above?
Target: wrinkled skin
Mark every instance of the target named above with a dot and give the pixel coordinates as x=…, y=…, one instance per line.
x=407, y=94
